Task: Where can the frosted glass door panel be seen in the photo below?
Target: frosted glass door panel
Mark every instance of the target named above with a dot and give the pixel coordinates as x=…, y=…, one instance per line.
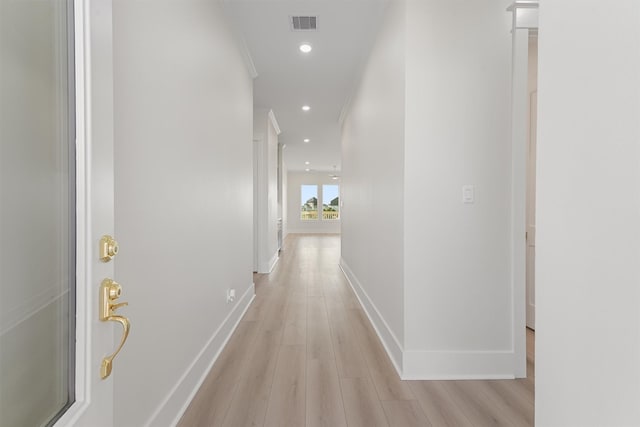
x=37, y=199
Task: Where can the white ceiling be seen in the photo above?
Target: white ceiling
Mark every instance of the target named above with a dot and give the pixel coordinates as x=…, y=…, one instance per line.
x=322, y=79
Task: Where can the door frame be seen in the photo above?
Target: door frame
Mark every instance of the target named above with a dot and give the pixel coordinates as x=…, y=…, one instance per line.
x=525, y=20
x=531, y=208
x=93, y=44
x=265, y=165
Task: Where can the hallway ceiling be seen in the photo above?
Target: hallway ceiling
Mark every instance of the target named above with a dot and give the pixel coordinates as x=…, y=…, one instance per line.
x=323, y=79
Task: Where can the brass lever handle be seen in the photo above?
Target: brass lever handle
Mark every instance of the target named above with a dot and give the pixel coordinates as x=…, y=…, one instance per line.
x=107, y=362
x=109, y=292
x=114, y=307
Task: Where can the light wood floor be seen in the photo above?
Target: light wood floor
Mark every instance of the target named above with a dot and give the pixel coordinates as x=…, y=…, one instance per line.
x=305, y=354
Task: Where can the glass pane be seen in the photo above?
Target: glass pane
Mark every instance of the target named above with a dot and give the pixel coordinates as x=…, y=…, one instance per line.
x=37, y=205
x=309, y=201
x=330, y=202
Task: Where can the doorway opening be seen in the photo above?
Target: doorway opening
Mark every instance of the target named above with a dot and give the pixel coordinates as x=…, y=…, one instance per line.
x=530, y=236
x=523, y=167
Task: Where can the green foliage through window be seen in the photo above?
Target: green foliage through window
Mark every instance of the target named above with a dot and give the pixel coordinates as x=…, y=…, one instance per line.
x=309, y=207
x=330, y=201
x=309, y=197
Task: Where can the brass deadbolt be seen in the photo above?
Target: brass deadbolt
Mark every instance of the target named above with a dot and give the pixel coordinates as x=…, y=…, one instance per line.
x=108, y=248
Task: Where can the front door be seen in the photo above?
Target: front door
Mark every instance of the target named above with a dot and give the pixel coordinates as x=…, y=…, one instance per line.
x=56, y=203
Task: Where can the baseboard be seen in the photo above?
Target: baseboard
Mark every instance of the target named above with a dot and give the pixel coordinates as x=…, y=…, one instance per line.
x=457, y=365
x=314, y=231
x=175, y=404
x=431, y=365
x=274, y=261
x=267, y=267
x=387, y=337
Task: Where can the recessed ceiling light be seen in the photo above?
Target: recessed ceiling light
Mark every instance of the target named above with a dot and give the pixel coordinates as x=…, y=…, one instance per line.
x=306, y=140
x=306, y=108
x=307, y=170
x=306, y=163
x=305, y=48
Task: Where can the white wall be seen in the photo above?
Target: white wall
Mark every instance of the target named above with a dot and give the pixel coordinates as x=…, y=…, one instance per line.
x=265, y=137
x=588, y=244
x=432, y=114
x=294, y=202
x=183, y=169
x=372, y=183
x=457, y=274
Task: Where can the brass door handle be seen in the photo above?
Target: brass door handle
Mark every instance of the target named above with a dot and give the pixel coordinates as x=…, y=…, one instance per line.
x=110, y=291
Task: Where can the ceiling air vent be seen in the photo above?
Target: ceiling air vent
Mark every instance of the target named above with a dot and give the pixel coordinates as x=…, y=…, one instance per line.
x=304, y=23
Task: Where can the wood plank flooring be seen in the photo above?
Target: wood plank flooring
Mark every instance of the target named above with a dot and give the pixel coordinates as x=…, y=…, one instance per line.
x=305, y=354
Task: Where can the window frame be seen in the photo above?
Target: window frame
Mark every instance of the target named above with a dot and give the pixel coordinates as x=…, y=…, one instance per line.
x=337, y=218
x=302, y=203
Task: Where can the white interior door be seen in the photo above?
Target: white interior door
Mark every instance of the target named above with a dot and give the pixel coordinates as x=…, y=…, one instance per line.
x=56, y=184
x=531, y=212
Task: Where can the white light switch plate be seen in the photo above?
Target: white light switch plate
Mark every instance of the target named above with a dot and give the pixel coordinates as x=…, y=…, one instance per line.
x=468, y=194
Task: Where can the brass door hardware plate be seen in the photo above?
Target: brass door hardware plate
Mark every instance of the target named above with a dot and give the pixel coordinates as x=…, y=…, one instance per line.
x=108, y=248
x=110, y=291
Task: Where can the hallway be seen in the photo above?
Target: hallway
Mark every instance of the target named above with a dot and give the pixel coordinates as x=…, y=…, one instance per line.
x=305, y=354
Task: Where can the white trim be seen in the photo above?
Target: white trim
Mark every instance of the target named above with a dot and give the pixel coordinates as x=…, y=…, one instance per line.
x=260, y=191
x=316, y=230
x=263, y=168
x=268, y=266
x=519, y=106
x=274, y=122
x=525, y=15
x=240, y=43
x=83, y=270
x=389, y=340
x=346, y=107
x=431, y=365
x=94, y=206
x=83, y=160
x=254, y=153
x=523, y=4
x=182, y=393
x=248, y=60
x=457, y=365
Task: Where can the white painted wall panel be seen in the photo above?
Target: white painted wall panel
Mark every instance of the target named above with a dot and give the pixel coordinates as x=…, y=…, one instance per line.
x=372, y=179
x=458, y=290
x=430, y=116
x=183, y=128
x=588, y=234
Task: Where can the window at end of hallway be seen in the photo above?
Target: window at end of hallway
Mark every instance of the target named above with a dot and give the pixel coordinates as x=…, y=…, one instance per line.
x=309, y=201
x=331, y=201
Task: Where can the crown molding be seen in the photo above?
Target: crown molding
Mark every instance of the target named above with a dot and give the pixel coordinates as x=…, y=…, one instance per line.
x=274, y=122
x=525, y=14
